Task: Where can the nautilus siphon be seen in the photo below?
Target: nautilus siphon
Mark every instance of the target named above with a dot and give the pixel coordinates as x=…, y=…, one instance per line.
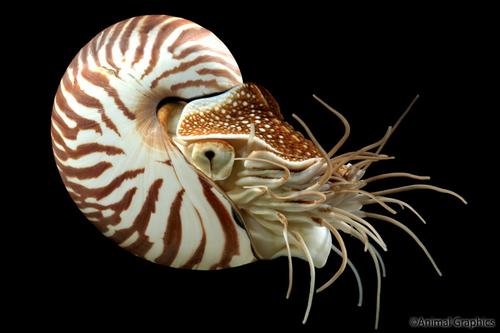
x=167, y=151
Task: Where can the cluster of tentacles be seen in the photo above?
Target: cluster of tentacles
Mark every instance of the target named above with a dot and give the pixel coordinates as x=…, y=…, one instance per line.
x=328, y=193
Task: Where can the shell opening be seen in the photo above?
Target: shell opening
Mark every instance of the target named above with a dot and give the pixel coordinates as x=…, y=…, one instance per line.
x=168, y=113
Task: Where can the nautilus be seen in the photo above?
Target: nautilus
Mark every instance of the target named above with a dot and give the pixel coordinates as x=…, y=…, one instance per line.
x=168, y=152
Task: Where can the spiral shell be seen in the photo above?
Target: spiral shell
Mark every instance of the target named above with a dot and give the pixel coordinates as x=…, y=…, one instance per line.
x=116, y=160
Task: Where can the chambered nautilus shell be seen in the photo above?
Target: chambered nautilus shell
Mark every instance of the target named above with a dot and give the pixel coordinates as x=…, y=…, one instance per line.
x=169, y=153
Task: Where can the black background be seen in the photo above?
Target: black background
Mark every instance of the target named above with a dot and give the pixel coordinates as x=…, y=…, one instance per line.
x=368, y=63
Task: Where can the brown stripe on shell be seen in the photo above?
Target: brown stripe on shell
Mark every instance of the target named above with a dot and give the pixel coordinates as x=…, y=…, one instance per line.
x=142, y=244
x=125, y=38
x=72, y=194
x=186, y=65
x=218, y=73
x=81, y=122
x=69, y=133
x=147, y=25
x=93, y=215
x=73, y=66
x=81, y=150
x=196, y=48
x=111, y=43
x=173, y=233
x=117, y=208
x=197, y=83
x=231, y=241
x=88, y=101
x=188, y=35
x=86, y=172
x=200, y=250
x=91, y=49
x=101, y=80
x=162, y=35
x=93, y=45
x=105, y=34
x=60, y=154
x=101, y=192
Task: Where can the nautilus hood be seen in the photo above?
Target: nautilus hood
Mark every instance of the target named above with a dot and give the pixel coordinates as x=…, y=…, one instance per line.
x=231, y=115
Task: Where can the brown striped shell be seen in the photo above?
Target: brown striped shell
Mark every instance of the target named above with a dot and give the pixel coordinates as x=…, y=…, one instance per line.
x=117, y=163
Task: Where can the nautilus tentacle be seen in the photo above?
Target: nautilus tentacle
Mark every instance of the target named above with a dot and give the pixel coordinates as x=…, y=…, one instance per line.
x=119, y=163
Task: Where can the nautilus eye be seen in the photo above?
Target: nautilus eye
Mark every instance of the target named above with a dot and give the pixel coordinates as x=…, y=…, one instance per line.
x=214, y=158
x=168, y=152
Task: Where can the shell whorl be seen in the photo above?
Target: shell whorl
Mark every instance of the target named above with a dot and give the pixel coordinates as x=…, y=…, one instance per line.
x=115, y=158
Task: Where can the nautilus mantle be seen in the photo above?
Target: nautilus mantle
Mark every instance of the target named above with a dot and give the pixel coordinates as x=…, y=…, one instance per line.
x=166, y=150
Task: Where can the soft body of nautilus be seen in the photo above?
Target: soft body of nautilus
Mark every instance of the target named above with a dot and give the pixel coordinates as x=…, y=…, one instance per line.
x=165, y=149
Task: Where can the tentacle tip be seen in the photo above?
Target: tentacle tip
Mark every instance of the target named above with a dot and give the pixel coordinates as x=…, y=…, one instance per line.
x=359, y=305
x=459, y=197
